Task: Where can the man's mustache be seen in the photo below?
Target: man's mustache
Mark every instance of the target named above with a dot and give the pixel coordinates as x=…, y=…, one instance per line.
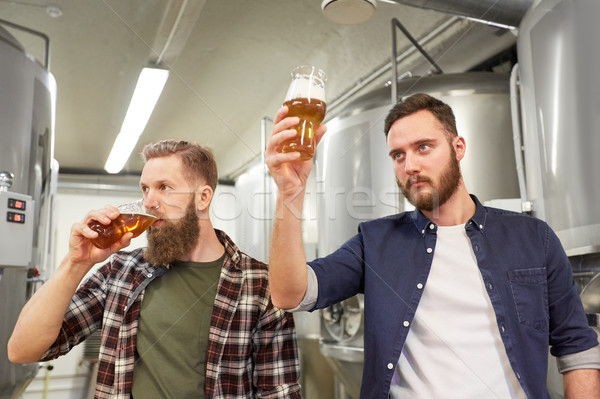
x=417, y=179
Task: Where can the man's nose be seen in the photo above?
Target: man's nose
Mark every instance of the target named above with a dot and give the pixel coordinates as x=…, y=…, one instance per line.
x=150, y=202
x=411, y=164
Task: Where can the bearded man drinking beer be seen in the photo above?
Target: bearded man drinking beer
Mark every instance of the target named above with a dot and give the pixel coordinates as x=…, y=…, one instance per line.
x=188, y=316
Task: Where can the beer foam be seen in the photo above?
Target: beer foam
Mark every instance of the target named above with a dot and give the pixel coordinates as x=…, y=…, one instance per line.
x=306, y=88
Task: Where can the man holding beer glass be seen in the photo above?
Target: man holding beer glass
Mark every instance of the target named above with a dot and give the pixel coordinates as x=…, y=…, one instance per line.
x=188, y=317
x=461, y=300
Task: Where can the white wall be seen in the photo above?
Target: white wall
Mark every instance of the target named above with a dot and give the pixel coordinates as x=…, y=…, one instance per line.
x=223, y=211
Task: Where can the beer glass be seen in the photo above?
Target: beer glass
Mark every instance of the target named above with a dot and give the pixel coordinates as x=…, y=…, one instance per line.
x=133, y=218
x=305, y=99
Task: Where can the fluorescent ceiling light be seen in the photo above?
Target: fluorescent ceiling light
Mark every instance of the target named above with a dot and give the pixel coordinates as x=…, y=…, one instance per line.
x=149, y=86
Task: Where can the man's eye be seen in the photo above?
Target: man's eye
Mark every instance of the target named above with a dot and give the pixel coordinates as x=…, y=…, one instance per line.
x=423, y=147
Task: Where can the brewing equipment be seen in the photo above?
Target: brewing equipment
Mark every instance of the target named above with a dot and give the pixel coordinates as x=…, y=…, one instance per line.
x=27, y=183
x=560, y=95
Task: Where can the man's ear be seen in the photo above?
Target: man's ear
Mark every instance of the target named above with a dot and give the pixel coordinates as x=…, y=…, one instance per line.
x=460, y=147
x=204, y=196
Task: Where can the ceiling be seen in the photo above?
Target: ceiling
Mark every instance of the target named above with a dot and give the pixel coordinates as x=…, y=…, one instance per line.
x=229, y=63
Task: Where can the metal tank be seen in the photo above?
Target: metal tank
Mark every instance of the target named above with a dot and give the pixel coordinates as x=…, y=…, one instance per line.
x=26, y=192
x=559, y=102
x=355, y=182
x=560, y=98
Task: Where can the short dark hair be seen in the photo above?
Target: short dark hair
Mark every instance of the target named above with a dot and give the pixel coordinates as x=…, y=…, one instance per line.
x=198, y=161
x=423, y=102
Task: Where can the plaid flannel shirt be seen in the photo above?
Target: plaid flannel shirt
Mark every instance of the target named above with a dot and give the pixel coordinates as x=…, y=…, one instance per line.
x=252, y=345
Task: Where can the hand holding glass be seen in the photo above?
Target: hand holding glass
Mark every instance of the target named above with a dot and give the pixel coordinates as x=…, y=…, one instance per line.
x=305, y=99
x=133, y=218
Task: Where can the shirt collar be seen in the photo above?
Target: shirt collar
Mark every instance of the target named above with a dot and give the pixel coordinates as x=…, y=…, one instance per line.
x=422, y=223
x=479, y=217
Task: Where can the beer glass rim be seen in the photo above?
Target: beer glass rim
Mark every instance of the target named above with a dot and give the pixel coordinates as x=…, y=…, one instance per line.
x=309, y=70
x=134, y=207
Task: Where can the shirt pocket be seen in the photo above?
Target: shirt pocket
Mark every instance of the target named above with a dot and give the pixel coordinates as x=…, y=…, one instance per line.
x=530, y=294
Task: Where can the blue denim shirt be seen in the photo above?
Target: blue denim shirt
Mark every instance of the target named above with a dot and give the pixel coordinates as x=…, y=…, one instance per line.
x=525, y=270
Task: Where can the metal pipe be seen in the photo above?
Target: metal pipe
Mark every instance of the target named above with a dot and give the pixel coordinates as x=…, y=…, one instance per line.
x=397, y=24
x=526, y=205
x=516, y=125
x=49, y=367
x=172, y=31
x=394, y=66
x=502, y=12
x=383, y=69
x=98, y=187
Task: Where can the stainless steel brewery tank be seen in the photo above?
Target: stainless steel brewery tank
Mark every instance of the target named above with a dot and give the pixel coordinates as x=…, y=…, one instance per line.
x=26, y=111
x=355, y=181
x=560, y=98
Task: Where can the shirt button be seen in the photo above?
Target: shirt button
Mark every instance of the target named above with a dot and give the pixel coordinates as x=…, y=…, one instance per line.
x=432, y=226
x=423, y=231
x=420, y=286
x=490, y=286
x=518, y=375
x=429, y=250
x=390, y=366
x=406, y=323
x=481, y=226
x=502, y=328
x=149, y=275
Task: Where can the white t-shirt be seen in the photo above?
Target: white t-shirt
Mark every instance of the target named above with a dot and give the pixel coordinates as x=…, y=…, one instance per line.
x=453, y=348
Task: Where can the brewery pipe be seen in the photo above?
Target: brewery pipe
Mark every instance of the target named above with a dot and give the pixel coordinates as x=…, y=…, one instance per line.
x=515, y=108
x=505, y=13
x=180, y=14
x=396, y=24
x=387, y=66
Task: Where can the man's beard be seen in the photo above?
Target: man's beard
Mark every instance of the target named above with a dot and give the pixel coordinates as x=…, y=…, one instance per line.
x=173, y=240
x=448, y=184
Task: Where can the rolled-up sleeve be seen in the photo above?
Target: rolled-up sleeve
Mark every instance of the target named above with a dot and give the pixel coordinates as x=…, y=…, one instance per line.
x=310, y=296
x=588, y=359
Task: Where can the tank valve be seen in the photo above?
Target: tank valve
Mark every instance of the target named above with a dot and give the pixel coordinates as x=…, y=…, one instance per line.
x=6, y=180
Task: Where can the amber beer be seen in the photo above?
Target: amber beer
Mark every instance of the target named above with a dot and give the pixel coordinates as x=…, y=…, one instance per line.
x=108, y=234
x=305, y=99
x=311, y=113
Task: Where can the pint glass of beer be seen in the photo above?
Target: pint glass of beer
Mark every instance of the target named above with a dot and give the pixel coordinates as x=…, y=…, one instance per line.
x=133, y=218
x=305, y=99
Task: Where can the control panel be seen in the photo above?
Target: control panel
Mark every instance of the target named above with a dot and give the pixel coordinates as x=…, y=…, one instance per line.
x=16, y=228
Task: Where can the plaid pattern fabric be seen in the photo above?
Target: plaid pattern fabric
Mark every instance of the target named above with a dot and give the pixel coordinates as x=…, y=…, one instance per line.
x=252, y=345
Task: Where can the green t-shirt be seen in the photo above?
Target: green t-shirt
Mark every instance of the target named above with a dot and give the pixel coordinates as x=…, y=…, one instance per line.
x=173, y=332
